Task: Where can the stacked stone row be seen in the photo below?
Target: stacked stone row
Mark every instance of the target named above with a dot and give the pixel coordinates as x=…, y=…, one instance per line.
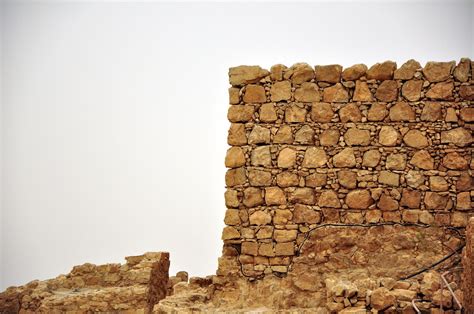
x=326, y=145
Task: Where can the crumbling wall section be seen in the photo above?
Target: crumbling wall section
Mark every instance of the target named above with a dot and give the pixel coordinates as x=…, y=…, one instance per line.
x=134, y=286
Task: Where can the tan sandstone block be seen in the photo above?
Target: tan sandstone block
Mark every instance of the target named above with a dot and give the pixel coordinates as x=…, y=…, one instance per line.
x=280, y=91
x=286, y=158
x=246, y=74
x=359, y=199
x=254, y=94
x=335, y=93
x=350, y=113
x=382, y=71
x=314, y=158
x=344, y=159
x=274, y=196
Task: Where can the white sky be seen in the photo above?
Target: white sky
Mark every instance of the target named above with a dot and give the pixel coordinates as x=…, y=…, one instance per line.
x=114, y=114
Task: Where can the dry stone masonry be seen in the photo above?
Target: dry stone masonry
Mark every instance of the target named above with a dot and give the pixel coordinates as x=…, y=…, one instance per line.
x=324, y=158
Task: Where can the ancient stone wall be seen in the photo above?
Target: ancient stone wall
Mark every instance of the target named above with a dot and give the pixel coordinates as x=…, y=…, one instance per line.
x=313, y=147
x=133, y=287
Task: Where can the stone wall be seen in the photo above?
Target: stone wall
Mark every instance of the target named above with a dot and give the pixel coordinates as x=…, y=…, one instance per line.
x=322, y=146
x=133, y=287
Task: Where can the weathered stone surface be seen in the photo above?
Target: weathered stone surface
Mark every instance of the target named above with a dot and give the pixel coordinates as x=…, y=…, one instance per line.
x=328, y=73
x=281, y=91
x=236, y=135
x=350, y=113
x=459, y=137
x=387, y=91
x=305, y=135
x=359, y=199
x=388, y=136
x=463, y=201
x=407, y=70
x=259, y=135
x=455, y=161
x=299, y=73
x=254, y=94
x=308, y=92
x=259, y=177
x=442, y=91
x=304, y=214
x=410, y=198
x=431, y=111
x=438, y=71
x=467, y=114
x=274, y=196
x=287, y=158
x=329, y=137
x=302, y=196
x=284, y=135
x=461, y=71
x=295, y=113
x=415, y=179
x=314, y=157
x=381, y=298
x=467, y=92
x=402, y=111
x=357, y=137
x=423, y=160
x=438, y=184
x=347, y=179
x=382, y=71
x=464, y=182
x=287, y=179
x=240, y=113
x=377, y=112
x=354, y=72
x=411, y=90
x=386, y=202
x=389, y=178
x=362, y=92
x=371, y=158
x=235, y=177
x=435, y=201
x=234, y=95
x=260, y=217
x=235, y=157
x=231, y=198
x=344, y=159
x=321, y=112
x=396, y=162
x=276, y=72
x=261, y=156
x=451, y=115
x=267, y=113
x=282, y=216
x=232, y=217
x=245, y=74
x=316, y=180
x=329, y=198
x=284, y=235
x=335, y=93
x=415, y=139
x=252, y=197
